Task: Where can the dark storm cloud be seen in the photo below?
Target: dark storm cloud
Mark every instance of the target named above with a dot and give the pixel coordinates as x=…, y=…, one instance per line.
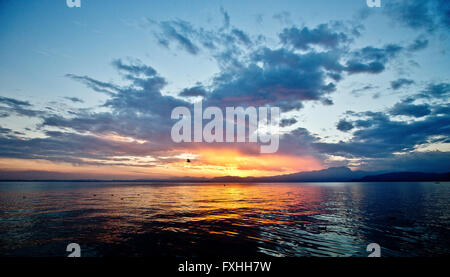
x=399, y=83
x=303, y=38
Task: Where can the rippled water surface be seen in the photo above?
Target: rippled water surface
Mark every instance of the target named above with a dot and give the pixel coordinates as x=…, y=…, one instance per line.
x=188, y=220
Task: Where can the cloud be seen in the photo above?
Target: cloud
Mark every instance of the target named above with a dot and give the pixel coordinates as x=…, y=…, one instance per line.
x=304, y=38
x=418, y=44
x=439, y=91
x=371, y=59
x=357, y=67
x=216, y=40
x=259, y=18
x=427, y=15
x=444, y=9
x=441, y=109
x=283, y=17
x=134, y=68
x=380, y=139
x=13, y=102
x=5, y=130
x=107, y=88
x=73, y=148
x=384, y=136
x=344, y=125
x=9, y=106
x=193, y=91
x=74, y=99
x=288, y=122
x=365, y=88
x=300, y=142
x=241, y=36
x=277, y=77
x=407, y=109
x=140, y=111
x=177, y=31
x=399, y=83
x=429, y=161
x=226, y=18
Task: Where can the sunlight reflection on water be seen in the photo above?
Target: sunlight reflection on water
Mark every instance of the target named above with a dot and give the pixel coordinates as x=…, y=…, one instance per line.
x=286, y=219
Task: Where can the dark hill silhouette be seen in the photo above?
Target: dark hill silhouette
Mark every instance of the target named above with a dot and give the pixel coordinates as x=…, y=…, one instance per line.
x=332, y=174
x=406, y=177
x=342, y=174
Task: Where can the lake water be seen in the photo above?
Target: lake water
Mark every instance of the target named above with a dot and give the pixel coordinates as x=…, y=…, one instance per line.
x=190, y=220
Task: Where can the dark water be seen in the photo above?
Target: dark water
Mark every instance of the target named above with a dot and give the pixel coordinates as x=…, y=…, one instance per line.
x=188, y=220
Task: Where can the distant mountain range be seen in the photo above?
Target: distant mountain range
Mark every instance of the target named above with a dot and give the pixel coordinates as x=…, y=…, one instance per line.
x=332, y=174
x=342, y=174
x=406, y=177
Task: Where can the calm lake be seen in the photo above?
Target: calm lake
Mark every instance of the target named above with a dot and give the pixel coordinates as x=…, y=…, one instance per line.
x=190, y=220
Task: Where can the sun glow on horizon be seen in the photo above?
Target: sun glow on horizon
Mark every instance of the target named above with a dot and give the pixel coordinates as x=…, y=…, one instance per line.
x=229, y=162
x=205, y=162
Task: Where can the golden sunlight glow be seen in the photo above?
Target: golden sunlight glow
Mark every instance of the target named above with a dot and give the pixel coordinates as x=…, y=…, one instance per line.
x=226, y=162
x=204, y=163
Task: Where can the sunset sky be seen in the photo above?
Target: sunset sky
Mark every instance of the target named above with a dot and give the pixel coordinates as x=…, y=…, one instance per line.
x=88, y=92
